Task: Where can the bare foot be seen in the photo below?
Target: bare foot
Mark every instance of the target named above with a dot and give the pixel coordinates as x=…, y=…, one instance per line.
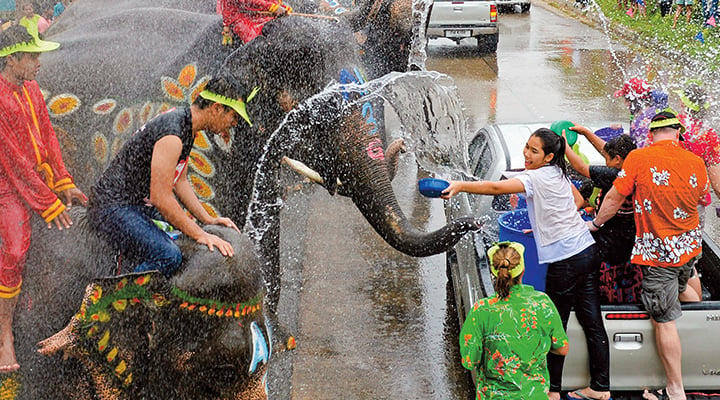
x=8, y=363
x=553, y=395
x=650, y=396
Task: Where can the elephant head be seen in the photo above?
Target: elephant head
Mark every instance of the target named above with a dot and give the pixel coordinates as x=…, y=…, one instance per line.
x=139, y=335
x=341, y=139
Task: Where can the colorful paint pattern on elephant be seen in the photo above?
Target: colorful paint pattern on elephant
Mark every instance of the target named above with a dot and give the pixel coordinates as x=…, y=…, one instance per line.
x=374, y=147
x=183, y=89
x=63, y=104
x=101, y=306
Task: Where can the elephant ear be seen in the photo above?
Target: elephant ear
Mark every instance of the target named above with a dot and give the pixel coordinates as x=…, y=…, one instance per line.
x=112, y=332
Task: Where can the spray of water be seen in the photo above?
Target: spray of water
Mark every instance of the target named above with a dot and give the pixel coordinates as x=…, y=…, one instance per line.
x=429, y=115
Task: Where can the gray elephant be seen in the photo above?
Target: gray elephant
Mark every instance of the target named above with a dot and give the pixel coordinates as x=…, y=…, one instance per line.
x=137, y=336
x=162, y=55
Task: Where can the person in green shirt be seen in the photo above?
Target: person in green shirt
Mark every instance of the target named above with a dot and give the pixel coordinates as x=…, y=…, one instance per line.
x=505, y=338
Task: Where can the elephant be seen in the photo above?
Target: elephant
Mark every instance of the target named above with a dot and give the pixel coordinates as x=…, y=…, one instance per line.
x=137, y=335
x=121, y=63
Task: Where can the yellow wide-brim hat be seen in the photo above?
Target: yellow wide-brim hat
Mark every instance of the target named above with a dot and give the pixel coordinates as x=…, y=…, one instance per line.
x=36, y=45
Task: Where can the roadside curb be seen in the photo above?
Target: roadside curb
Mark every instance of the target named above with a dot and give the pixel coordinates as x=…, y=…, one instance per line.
x=628, y=36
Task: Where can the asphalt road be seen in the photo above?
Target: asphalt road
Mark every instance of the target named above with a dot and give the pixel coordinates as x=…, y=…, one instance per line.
x=372, y=323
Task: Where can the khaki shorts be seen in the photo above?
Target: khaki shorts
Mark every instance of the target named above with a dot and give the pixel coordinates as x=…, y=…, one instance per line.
x=660, y=289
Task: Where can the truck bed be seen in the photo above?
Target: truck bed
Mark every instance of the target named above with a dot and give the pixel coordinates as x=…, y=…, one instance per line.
x=633, y=358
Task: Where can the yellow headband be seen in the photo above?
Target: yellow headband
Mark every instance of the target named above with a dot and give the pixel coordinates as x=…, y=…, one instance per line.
x=514, y=271
x=34, y=46
x=236, y=104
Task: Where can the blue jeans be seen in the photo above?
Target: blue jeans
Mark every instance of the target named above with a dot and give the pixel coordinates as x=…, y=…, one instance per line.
x=131, y=231
x=575, y=283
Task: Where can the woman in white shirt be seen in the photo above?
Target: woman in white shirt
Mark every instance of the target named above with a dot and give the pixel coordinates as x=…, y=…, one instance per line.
x=565, y=244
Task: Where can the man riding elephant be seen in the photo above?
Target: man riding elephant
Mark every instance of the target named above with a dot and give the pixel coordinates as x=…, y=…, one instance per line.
x=201, y=334
x=246, y=18
x=33, y=173
x=149, y=176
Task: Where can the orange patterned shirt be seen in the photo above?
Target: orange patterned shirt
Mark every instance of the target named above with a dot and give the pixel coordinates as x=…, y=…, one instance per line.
x=667, y=183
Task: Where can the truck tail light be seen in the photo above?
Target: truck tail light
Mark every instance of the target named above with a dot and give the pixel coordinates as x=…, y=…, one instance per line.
x=493, y=13
x=627, y=315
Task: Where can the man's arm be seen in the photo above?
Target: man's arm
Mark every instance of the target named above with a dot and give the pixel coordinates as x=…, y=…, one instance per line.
x=594, y=139
x=187, y=196
x=166, y=154
x=610, y=206
x=576, y=162
x=19, y=170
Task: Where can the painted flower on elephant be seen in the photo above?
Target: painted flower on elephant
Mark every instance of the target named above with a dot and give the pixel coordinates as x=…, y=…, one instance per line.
x=210, y=209
x=201, y=164
x=142, y=280
x=146, y=112
x=104, y=106
x=201, y=141
x=100, y=147
x=182, y=88
x=203, y=190
x=63, y=104
x=123, y=121
x=374, y=150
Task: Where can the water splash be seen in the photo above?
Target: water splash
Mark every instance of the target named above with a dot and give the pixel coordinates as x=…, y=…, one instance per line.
x=429, y=115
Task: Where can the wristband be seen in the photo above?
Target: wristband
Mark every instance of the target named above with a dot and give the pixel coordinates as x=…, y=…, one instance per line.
x=596, y=225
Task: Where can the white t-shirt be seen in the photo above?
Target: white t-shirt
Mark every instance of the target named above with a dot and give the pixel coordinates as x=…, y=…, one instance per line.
x=558, y=229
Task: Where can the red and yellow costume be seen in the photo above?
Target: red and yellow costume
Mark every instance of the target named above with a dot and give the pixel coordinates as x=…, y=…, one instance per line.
x=32, y=173
x=247, y=17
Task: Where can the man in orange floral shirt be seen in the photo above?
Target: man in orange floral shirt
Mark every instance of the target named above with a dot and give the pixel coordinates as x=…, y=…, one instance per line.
x=667, y=183
x=32, y=172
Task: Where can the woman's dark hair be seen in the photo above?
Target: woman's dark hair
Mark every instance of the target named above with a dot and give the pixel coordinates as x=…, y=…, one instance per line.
x=619, y=146
x=555, y=144
x=505, y=259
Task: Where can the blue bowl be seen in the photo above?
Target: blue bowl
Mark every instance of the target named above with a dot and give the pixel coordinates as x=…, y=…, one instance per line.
x=432, y=187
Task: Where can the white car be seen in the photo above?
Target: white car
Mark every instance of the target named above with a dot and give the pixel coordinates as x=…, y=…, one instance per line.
x=457, y=20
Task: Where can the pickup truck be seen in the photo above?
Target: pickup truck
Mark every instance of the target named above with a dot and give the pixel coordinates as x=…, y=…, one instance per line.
x=457, y=20
x=634, y=364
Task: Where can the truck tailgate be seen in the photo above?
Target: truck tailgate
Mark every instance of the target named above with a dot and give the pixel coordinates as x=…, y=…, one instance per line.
x=468, y=13
x=634, y=361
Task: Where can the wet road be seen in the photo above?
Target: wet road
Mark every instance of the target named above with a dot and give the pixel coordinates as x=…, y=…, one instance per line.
x=372, y=323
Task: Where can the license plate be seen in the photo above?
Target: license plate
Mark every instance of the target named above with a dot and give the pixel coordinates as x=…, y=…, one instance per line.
x=457, y=33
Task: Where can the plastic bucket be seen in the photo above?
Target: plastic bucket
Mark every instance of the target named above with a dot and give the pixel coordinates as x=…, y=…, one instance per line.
x=511, y=225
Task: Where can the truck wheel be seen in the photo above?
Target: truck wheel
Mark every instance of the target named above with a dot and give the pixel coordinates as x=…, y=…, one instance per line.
x=525, y=7
x=488, y=43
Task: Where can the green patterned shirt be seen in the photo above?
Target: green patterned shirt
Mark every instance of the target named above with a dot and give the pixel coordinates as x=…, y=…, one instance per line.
x=506, y=342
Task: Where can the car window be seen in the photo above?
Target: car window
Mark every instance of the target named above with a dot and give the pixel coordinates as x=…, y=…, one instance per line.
x=481, y=154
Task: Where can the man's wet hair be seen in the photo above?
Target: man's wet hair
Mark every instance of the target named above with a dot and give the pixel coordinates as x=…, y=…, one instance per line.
x=223, y=86
x=586, y=188
x=11, y=36
x=620, y=145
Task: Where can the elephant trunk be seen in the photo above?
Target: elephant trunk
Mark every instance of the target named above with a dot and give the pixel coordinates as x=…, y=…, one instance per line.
x=366, y=180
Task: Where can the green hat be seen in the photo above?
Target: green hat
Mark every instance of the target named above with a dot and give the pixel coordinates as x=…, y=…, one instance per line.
x=236, y=104
x=36, y=45
x=693, y=96
x=514, y=271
